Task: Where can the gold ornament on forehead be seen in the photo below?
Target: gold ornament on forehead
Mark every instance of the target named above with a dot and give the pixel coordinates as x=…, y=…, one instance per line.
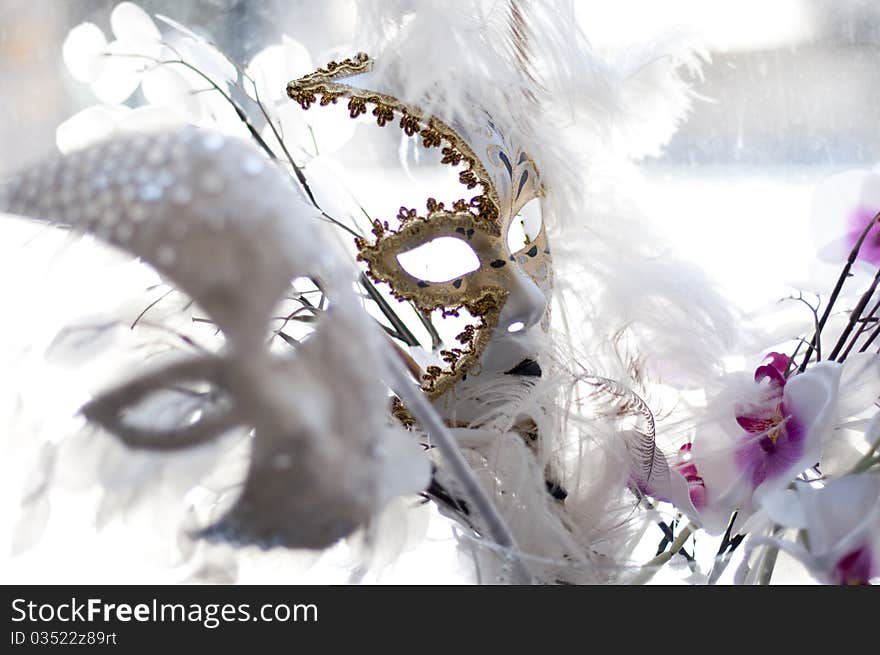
x=482, y=221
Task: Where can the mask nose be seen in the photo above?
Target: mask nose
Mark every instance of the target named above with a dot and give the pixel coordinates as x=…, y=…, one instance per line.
x=525, y=306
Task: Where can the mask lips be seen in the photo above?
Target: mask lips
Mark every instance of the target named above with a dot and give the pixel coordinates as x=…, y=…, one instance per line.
x=526, y=368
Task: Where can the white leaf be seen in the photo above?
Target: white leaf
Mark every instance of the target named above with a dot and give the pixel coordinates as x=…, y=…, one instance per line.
x=83, y=52
x=131, y=23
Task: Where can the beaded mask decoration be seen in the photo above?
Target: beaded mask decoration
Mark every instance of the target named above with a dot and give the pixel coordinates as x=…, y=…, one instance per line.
x=508, y=188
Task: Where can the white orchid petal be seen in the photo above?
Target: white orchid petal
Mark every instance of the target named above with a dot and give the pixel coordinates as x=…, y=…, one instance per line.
x=273, y=67
x=83, y=52
x=218, y=113
x=183, y=29
x=783, y=507
x=331, y=126
x=857, y=425
x=834, y=201
x=859, y=383
x=295, y=129
x=150, y=118
x=131, y=23
x=266, y=72
x=755, y=523
x=795, y=550
x=84, y=128
x=195, y=80
x=121, y=72
x=844, y=507
x=812, y=398
x=714, y=456
x=677, y=492
x=164, y=87
x=208, y=59
x=326, y=176
x=297, y=60
x=872, y=429
x=841, y=451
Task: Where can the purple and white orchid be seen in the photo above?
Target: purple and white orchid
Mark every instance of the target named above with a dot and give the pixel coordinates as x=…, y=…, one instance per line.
x=774, y=437
x=841, y=526
x=843, y=205
x=771, y=434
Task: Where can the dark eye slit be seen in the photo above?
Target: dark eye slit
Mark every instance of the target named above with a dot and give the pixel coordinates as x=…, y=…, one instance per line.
x=503, y=157
x=522, y=182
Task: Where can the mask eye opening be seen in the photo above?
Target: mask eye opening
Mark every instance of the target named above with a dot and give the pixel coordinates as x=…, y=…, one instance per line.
x=439, y=260
x=525, y=226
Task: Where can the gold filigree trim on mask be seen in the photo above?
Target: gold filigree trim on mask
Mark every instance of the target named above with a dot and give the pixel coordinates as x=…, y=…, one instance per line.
x=483, y=302
x=433, y=132
x=480, y=215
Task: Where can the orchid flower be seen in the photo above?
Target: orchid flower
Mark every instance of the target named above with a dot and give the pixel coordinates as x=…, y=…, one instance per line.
x=779, y=429
x=769, y=438
x=267, y=75
x=840, y=524
x=774, y=441
x=684, y=466
x=186, y=79
x=183, y=79
x=771, y=432
x=843, y=204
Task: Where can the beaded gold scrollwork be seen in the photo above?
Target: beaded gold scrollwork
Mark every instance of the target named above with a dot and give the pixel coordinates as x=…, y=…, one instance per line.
x=477, y=221
x=482, y=301
x=434, y=133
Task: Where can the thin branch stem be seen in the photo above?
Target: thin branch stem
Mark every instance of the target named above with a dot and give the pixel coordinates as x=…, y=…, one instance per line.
x=814, y=343
x=866, y=322
x=768, y=562
x=814, y=310
x=868, y=459
x=439, y=434
x=650, y=568
x=389, y=313
x=854, y=317
x=870, y=340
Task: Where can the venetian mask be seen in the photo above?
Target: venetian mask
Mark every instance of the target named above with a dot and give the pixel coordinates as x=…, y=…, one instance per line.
x=507, y=294
x=225, y=226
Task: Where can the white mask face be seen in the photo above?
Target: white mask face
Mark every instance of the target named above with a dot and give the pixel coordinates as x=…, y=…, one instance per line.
x=509, y=286
x=225, y=226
